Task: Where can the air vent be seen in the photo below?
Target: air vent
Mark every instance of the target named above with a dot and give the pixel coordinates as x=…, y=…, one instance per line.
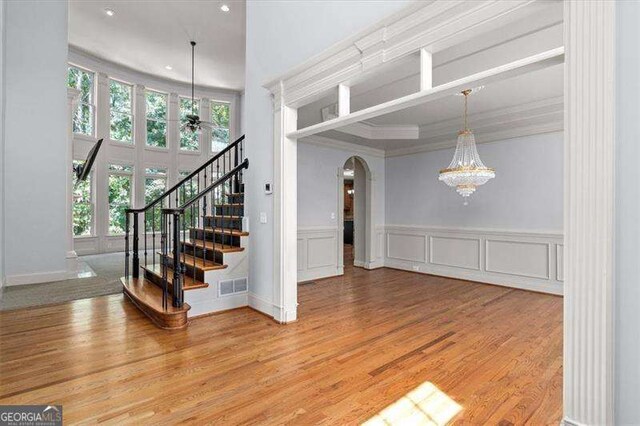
x=227, y=287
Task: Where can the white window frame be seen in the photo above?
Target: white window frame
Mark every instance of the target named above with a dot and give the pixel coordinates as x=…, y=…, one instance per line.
x=166, y=121
x=92, y=106
x=92, y=198
x=228, y=104
x=149, y=175
x=132, y=192
x=181, y=150
x=131, y=113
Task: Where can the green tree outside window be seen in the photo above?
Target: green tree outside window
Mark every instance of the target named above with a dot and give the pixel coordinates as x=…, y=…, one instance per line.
x=82, y=206
x=220, y=133
x=83, y=115
x=121, y=102
x=120, y=190
x=188, y=139
x=156, y=119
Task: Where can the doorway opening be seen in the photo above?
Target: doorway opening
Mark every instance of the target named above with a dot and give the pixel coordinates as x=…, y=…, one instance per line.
x=355, y=197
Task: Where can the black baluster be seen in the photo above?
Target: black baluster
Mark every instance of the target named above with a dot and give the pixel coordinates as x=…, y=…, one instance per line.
x=126, y=245
x=177, y=268
x=153, y=234
x=145, y=238
x=163, y=260
x=136, y=258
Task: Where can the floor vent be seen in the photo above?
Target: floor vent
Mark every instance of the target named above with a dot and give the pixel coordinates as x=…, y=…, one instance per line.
x=227, y=287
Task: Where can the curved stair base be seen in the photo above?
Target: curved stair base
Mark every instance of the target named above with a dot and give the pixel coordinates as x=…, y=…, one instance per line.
x=148, y=298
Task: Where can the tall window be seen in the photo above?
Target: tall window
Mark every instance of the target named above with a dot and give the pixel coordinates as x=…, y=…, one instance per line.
x=120, y=192
x=220, y=132
x=83, y=116
x=121, y=101
x=188, y=139
x=156, y=119
x=155, y=184
x=82, y=205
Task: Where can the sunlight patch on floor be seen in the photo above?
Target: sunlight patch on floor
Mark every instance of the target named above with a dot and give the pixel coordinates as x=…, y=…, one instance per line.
x=425, y=405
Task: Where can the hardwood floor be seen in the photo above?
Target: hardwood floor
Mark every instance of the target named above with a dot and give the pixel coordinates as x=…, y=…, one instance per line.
x=486, y=354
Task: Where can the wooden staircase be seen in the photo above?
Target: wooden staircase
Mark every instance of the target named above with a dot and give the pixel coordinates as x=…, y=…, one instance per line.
x=199, y=231
x=146, y=292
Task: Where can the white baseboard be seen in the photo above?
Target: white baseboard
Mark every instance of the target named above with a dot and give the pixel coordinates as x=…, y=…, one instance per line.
x=318, y=273
x=37, y=278
x=569, y=422
x=259, y=304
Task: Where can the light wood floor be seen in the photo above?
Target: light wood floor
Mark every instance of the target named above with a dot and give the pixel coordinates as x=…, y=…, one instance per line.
x=363, y=342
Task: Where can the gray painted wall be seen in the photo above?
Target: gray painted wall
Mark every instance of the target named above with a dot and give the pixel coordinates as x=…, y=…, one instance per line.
x=627, y=217
x=280, y=35
x=35, y=167
x=526, y=194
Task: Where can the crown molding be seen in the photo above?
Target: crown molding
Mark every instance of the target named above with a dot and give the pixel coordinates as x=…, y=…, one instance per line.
x=344, y=146
x=434, y=25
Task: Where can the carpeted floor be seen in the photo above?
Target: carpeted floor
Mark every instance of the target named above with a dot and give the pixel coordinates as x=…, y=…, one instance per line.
x=108, y=268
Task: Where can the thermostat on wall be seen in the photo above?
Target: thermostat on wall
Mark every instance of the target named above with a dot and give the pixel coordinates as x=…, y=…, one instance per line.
x=267, y=188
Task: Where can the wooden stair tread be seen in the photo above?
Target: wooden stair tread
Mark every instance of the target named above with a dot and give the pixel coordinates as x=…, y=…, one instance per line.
x=226, y=231
x=201, y=264
x=188, y=283
x=223, y=248
x=230, y=205
x=227, y=216
x=148, y=298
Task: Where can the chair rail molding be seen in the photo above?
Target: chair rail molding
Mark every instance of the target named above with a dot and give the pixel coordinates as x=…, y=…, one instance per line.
x=590, y=29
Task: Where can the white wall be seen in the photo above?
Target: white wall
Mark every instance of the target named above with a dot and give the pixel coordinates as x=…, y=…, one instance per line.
x=627, y=214
x=2, y=100
x=35, y=167
x=526, y=194
x=510, y=233
x=271, y=49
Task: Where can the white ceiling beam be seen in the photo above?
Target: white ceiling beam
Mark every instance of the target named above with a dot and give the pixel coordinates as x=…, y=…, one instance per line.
x=503, y=72
x=374, y=132
x=344, y=100
x=426, y=69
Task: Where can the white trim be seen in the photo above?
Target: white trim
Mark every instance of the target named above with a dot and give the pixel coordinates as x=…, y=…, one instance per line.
x=260, y=304
x=344, y=146
x=36, y=278
x=523, y=66
x=374, y=131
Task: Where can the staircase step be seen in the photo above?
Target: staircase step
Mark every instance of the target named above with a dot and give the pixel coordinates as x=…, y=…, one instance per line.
x=154, y=274
x=201, y=264
x=147, y=297
x=226, y=231
x=222, y=248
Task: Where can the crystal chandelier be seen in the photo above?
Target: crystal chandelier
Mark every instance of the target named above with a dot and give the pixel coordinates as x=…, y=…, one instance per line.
x=466, y=170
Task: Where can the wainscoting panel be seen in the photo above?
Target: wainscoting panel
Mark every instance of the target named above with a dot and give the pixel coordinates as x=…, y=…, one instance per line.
x=317, y=253
x=455, y=251
x=406, y=247
x=518, y=258
x=528, y=260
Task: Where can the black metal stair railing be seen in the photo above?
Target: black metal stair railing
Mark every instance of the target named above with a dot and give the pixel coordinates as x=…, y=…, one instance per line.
x=178, y=198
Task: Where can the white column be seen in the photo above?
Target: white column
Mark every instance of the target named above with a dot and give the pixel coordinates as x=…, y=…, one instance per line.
x=173, y=137
x=588, y=249
x=344, y=100
x=73, y=95
x=426, y=70
x=139, y=142
x=102, y=185
x=285, y=212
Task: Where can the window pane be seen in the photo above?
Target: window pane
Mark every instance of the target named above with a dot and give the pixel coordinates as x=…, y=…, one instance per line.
x=120, y=168
x=83, y=116
x=157, y=133
x=153, y=188
x=120, y=97
x=220, y=114
x=219, y=139
x=82, y=206
x=121, y=127
x=156, y=172
x=119, y=202
x=188, y=139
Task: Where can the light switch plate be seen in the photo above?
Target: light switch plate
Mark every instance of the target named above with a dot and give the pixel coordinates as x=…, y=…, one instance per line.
x=263, y=217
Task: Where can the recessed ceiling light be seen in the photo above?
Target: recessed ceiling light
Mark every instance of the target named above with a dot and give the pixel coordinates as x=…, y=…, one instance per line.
x=169, y=67
x=109, y=12
x=224, y=8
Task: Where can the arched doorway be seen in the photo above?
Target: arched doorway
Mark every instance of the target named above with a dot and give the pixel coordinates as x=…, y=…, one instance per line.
x=356, y=222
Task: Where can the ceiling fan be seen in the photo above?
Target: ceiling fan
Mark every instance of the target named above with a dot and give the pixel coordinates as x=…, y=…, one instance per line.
x=192, y=121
